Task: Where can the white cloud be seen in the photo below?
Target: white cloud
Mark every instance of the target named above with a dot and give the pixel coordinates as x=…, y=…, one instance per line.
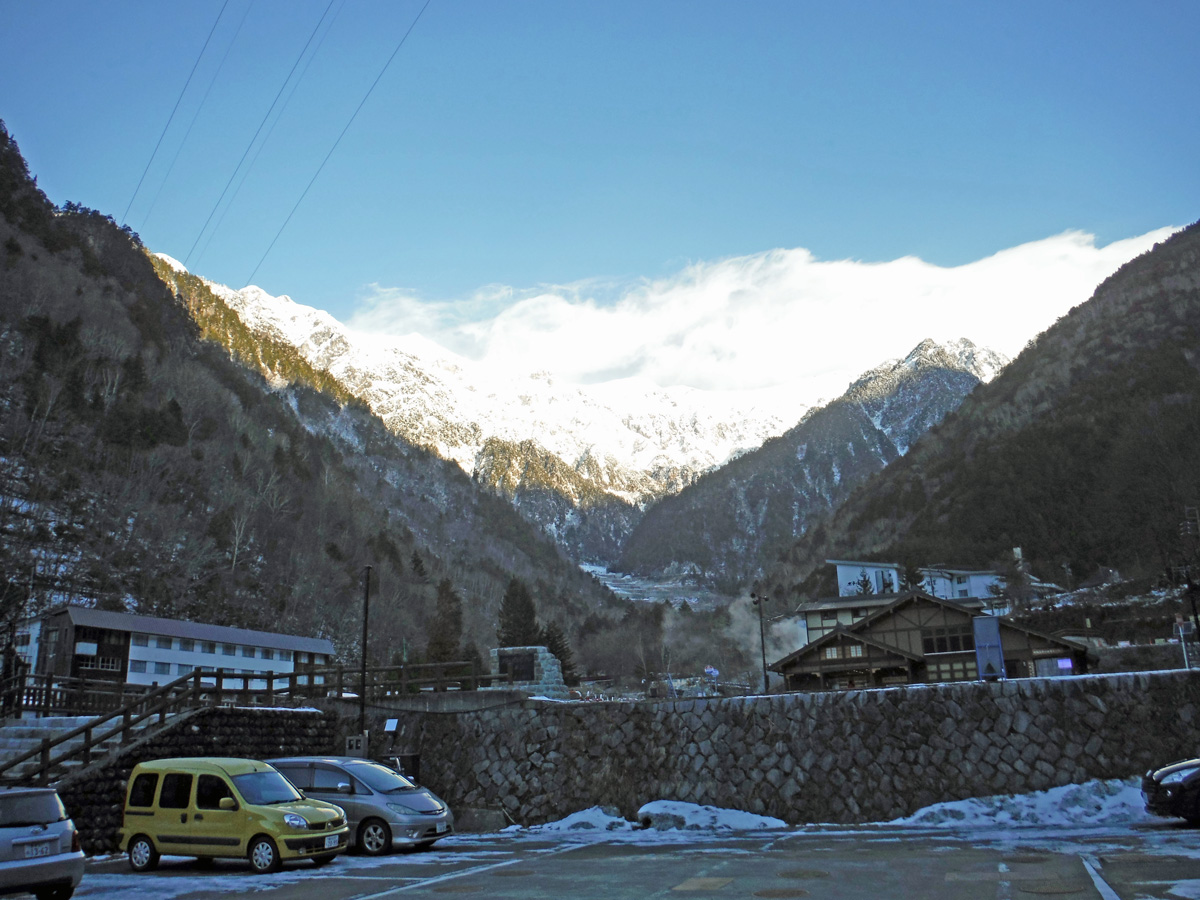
x=776, y=319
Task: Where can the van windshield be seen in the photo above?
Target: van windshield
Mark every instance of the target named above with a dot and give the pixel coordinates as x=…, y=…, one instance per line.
x=380, y=778
x=265, y=788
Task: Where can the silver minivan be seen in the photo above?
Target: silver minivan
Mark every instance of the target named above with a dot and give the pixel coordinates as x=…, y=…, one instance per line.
x=39, y=846
x=385, y=810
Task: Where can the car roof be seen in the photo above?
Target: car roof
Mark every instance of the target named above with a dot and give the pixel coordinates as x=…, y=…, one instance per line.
x=16, y=790
x=335, y=760
x=228, y=765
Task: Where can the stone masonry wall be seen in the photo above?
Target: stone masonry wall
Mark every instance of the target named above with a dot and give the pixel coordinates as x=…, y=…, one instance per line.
x=95, y=798
x=825, y=757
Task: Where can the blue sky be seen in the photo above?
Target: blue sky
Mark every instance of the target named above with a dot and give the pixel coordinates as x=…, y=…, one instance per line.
x=591, y=150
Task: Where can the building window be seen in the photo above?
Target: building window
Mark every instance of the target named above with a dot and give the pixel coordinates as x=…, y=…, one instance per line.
x=951, y=639
x=23, y=639
x=302, y=658
x=854, y=650
x=248, y=652
x=184, y=669
x=963, y=592
x=163, y=643
x=229, y=649
x=161, y=668
x=831, y=652
x=285, y=655
x=100, y=663
x=828, y=615
x=208, y=647
x=137, y=665
x=187, y=645
x=859, y=612
x=268, y=653
x=141, y=640
x=956, y=670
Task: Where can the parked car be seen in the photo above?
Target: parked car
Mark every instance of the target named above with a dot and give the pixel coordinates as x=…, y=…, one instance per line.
x=208, y=807
x=386, y=811
x=1174, y=790
x=39, y=846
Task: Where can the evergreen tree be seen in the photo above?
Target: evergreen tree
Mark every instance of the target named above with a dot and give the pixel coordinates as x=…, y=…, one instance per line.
x=518, y=617
x=862, y=585
x=418, y=565
x=556, y=643
x=911, y=578
x=445, y=633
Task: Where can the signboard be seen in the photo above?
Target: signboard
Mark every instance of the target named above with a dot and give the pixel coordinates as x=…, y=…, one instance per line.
x=989, y=654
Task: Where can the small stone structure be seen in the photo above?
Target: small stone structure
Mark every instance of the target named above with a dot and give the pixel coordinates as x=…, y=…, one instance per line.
x=853, y=756
x=536, y=671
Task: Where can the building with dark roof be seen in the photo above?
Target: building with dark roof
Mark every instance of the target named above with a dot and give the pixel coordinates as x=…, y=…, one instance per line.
x=100, y=645
x=917, y=638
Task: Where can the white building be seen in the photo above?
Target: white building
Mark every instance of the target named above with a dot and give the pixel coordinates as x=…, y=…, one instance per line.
x=943, y=582
x=81, y=642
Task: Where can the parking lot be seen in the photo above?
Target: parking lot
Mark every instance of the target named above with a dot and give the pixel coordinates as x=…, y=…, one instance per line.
x=1159, y=860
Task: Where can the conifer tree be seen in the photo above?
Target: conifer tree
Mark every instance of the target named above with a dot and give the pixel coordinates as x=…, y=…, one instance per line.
x=518, y=617
x=556, y=643
x=445, y=634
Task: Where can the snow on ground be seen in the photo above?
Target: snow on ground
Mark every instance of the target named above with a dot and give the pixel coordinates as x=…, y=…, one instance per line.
x=1114, y=802
x=1111, y=803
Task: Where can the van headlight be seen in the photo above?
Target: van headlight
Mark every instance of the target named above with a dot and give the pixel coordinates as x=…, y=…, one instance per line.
x=402, y=809
x=294, y=821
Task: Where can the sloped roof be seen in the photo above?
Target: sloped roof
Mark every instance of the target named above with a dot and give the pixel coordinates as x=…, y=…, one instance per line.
x=842, y=631
x=119, y=621
x=901, y=600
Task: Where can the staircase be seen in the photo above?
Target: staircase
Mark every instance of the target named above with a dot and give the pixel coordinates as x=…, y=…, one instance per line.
x=20, y=736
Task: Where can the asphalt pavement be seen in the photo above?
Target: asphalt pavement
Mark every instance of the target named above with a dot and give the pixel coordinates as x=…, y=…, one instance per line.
x=1161, y=861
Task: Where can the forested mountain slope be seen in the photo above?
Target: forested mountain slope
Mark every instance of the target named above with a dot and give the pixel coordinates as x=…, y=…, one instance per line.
x=1084, y=451
x=144, y=466
x=732, y=523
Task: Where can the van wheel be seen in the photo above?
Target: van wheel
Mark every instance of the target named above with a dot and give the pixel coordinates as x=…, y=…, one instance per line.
x=263, y=856
x=142, y=855
x=374, y=837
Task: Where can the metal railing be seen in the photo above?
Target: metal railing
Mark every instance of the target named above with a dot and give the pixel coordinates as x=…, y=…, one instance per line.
x=123, y=720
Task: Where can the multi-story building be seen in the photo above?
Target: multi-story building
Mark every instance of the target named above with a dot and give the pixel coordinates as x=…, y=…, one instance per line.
x=81, y=642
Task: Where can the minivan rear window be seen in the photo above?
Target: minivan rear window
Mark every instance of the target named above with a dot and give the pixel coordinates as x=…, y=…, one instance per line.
x=35, y=808
x=176, y=791
x=142, y=792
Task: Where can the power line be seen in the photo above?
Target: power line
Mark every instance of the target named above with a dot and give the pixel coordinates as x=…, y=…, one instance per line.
x=339, y=139
x=196, y=115
x=267, y=137
x=171, y=117
x=258, y=130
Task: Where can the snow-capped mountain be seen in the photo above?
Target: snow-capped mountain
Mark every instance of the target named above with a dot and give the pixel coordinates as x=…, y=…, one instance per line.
x=584, y=462
x=907, y=397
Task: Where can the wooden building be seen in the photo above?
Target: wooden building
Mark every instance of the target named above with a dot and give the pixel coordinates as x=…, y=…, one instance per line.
x=918, y=639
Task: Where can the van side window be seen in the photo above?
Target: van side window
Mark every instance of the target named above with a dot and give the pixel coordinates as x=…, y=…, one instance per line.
x=209, y=791
x=328, y=779
x=300, y=776
x=176, y=791
x=142, y=792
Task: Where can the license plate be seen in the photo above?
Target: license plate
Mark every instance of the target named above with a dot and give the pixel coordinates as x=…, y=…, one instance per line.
x=42, y=849
x=441, y=826
x=331, y=841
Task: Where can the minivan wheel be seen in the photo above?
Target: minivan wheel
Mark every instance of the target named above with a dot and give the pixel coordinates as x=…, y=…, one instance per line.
x=374, y=837
x=142, y=855
x=263, y=856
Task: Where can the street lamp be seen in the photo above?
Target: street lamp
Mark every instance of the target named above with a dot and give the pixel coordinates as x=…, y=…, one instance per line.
x=362, y=687
x=758, y=600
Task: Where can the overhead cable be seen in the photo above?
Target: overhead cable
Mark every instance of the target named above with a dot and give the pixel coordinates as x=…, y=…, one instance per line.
x=172, y=116
x=196, y=114
x=339, y=139
x=258, y=130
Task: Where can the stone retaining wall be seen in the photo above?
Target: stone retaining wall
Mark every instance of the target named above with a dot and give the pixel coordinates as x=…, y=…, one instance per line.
x=95, y=798
x=828, y=757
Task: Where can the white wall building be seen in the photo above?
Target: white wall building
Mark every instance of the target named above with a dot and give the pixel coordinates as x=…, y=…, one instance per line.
x=941, y=581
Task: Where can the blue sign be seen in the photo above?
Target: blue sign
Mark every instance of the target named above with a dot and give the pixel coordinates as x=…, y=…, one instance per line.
x=989, y=654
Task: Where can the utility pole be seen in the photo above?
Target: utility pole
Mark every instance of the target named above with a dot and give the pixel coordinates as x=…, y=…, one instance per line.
x=362, y=685
x=758, y=600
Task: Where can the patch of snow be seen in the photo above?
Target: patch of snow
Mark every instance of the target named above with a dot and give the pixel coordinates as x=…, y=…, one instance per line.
x=663, y=815
x=1093, y=803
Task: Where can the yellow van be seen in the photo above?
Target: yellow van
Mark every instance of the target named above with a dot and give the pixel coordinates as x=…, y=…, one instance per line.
x=213, y=806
